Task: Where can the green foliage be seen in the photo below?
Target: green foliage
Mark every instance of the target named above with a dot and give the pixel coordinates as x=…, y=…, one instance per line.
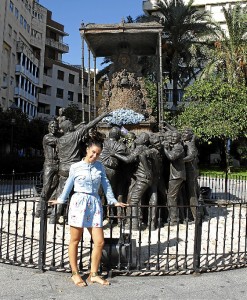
x=73, y=114
x=37, y=129
x=152, y=94
x=14, y=122
x=229, y=55
x=184, y=41
x=216, y=109
x=214, y=171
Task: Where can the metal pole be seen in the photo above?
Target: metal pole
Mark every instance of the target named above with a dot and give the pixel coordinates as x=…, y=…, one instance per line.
x=94, y=88
x=89, y=85
x=13, y=186
x=82, y=80
x=161, y=113
x=198, y=235
x=42, y=234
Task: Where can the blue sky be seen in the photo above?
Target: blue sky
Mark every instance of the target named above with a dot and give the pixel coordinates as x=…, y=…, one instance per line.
x=71, y=13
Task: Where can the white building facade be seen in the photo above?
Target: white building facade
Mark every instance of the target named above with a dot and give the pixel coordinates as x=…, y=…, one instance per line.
x=22, y=54
x=33, y=76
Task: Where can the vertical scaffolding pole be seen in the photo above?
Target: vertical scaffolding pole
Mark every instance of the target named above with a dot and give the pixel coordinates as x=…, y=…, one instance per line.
x=82, y=80
x=94, y=88
x=89, y=85
x=161, y=105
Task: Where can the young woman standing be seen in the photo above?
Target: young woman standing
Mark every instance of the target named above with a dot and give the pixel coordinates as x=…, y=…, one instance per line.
x=85, y=209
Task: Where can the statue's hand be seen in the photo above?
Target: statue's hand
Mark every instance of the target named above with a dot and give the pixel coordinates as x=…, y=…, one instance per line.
x=113, y=154
x=107, y=112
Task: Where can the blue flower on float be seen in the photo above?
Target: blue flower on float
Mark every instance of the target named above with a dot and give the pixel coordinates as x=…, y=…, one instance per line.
x=123, y=116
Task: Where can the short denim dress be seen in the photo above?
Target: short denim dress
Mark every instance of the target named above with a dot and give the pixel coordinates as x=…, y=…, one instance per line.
x=85, y=208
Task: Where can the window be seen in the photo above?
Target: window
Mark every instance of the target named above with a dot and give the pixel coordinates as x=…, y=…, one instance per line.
x=10, y=30
x=16, y=13
x=70, y=96
x=60, y=75
x=59, y=93
x=5, y=78
x=11, y=6
x=71, y=78
x=21, y=19
x=86, y=99
x=80, y=98
x=44, y=108
x=15, y=36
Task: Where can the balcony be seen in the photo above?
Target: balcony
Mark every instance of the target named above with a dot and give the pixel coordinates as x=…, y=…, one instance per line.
x=22, y=70
x=19, y=47
x=57, y=45
x=37, y=42
x=19, y=92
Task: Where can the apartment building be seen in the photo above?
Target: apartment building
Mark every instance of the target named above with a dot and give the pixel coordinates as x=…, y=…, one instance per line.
x=33, y=75
x=212, y=6
x=22, y=36
x=61, y=81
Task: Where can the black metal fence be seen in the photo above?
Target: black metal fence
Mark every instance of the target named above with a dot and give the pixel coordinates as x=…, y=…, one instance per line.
x=233, y=188
x=214, y=242
x=26, y=185
x=20, y=185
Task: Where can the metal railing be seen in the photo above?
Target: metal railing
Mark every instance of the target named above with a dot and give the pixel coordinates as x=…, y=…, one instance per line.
x=225, y=187
x=20, y=185
x=213, y=242
x=26, y=185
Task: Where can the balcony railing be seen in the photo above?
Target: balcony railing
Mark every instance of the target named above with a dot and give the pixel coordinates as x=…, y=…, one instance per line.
x=57, y=45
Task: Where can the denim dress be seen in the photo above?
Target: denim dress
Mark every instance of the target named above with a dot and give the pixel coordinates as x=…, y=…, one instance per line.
x=85, y=208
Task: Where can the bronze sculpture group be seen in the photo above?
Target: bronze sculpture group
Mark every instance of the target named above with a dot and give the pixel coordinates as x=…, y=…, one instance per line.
x=149, y=169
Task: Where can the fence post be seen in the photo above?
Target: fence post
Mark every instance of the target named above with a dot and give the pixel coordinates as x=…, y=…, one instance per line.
x=198, y=235
x=42, y=233
x=13, y=186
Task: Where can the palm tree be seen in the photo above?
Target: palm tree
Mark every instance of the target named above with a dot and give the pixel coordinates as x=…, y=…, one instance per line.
x=229, y=56
x=184, y=41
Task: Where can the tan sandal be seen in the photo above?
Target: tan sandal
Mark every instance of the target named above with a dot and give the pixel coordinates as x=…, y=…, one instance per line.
x=94, y=277
x=80, y=283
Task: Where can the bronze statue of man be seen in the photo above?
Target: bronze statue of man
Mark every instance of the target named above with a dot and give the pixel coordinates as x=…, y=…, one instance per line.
x=142, y=177
x=69, y=147
x=50, y=167
x=175, y=153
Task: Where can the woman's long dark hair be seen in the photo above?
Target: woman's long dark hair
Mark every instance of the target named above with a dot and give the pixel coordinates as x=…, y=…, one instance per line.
x=95, y=139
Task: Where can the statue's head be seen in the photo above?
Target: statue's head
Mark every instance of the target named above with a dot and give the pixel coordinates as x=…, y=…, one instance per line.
x=53, y=127
x=187, y=134
x=155, y=141
x=67, y=126
x=131, y=136
x=61, y=111
x=176, y=137
x=142, y=139
x=115, y=133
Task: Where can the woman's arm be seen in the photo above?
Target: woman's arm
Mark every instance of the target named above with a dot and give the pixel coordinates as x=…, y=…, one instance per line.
x=66, y=190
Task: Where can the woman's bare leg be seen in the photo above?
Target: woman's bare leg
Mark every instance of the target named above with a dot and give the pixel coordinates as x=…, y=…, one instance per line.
x=98, y=240
x=75, y=237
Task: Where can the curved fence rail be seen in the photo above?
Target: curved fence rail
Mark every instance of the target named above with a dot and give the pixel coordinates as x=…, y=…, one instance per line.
x=212, y=242
x=20, y=185
x=217, y=240
x=27, y=185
